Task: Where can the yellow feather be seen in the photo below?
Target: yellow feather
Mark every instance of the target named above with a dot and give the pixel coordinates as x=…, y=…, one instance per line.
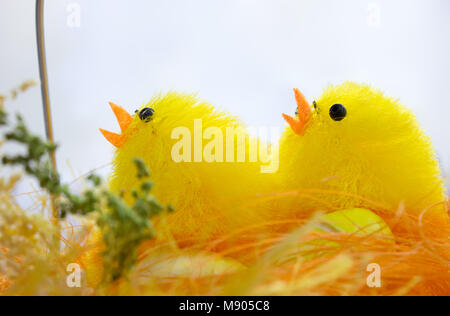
x=377, y=157
x=207, y=196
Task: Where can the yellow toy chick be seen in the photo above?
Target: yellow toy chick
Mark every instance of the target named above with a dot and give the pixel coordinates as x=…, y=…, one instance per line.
x=198, y=178
x=356, y=147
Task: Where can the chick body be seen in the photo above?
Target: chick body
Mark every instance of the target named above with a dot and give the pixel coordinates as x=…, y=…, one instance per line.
x=377, y=157
x=207, y=196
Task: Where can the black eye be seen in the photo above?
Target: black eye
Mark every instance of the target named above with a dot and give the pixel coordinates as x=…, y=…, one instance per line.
x=146, y=114
x=338, y=112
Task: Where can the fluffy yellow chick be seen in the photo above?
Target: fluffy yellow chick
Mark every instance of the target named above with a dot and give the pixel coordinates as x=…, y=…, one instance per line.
x=196, y=176
x=356, y=147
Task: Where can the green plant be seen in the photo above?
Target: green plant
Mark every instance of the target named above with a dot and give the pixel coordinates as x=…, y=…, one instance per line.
x=124, y=227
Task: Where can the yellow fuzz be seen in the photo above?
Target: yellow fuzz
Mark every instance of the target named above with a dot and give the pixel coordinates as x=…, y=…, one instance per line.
x=207, y=196
x=377, y=157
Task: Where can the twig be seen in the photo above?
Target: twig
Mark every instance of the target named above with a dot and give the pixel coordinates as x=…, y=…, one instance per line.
x=44, y=87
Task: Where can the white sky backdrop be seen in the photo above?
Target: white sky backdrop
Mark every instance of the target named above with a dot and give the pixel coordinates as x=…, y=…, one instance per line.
x=244, y=56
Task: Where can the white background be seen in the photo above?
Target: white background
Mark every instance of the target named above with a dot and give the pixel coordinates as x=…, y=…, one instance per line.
x=244, y=56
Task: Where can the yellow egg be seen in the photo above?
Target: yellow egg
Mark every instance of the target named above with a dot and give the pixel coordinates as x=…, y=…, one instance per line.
x=337, y=227
x=356, y=221
x=188, y=265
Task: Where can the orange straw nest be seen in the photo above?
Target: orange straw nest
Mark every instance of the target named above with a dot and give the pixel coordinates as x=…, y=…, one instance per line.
x=279, y=263
x=285, y=257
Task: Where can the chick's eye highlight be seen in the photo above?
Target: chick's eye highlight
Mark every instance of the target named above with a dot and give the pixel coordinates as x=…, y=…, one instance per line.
x=338, y=112
x=146, y=114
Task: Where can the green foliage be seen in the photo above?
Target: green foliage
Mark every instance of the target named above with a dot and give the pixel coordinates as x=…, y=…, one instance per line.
x=34, y=160
x=124, y=227
x=2, y=115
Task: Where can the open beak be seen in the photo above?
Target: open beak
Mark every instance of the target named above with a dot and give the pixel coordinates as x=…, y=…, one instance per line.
x=124, y=119
x=304, y=114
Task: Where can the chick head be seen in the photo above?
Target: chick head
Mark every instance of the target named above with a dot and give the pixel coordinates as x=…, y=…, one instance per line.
x=351, y=114
x=154, y=120
x=148, y=134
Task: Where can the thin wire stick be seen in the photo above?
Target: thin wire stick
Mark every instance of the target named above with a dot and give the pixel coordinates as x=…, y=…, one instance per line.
x=44, y=86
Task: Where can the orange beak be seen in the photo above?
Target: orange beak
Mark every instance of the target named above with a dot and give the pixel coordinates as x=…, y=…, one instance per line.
x=124, y=119
x=304, y=114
